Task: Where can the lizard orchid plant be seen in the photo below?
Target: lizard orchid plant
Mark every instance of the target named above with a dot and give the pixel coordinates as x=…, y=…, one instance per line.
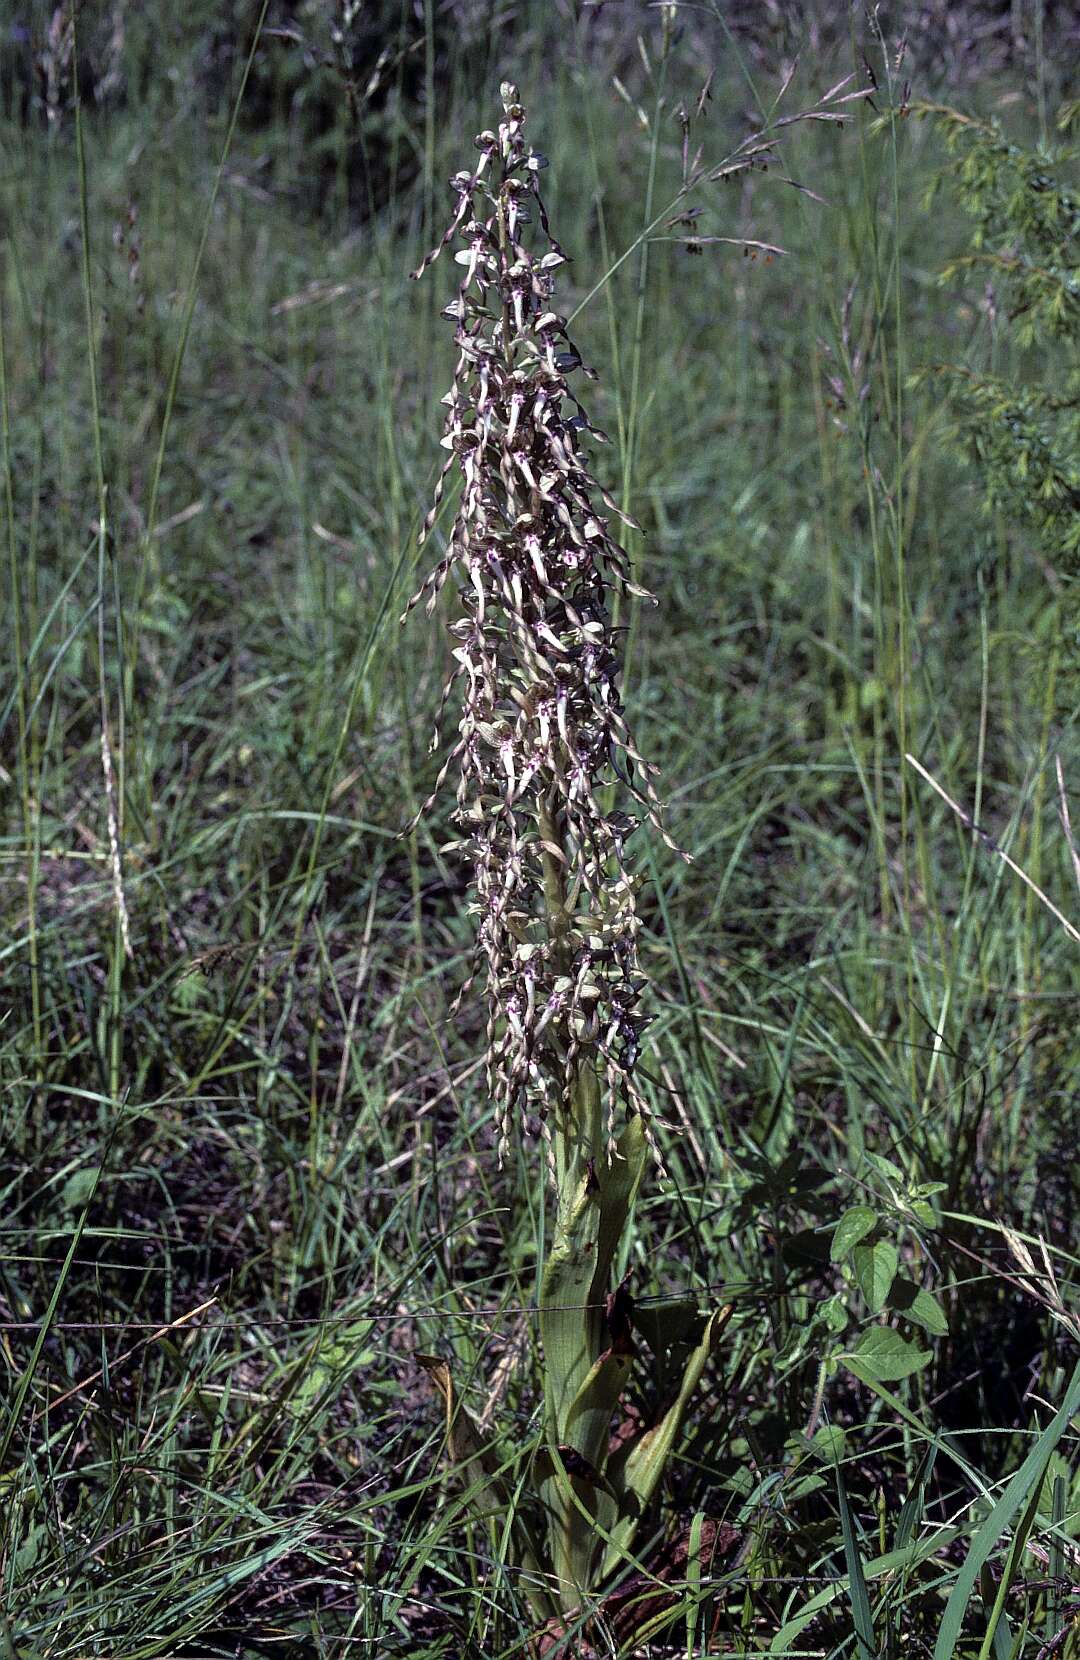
x=550, y=788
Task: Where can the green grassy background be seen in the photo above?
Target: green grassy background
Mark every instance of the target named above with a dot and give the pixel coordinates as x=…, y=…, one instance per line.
x=247, y=1170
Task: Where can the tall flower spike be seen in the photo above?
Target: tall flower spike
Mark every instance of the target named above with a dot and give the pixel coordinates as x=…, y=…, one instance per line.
x=542, y=736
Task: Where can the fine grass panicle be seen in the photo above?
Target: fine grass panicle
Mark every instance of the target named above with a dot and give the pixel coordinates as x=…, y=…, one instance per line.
x=542, y=738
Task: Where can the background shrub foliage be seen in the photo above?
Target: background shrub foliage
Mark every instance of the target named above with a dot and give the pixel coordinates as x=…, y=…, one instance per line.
x=247, y=1161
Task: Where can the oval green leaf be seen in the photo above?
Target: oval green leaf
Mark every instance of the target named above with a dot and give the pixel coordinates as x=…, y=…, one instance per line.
x=882, y=1356
x=918, y=1306
x=875, y=1269
x=854, y=1225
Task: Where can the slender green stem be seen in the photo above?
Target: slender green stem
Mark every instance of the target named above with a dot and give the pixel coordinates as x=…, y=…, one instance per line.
x=114, y=790
x=147, y=542
x=633, y=413
x=23, y=759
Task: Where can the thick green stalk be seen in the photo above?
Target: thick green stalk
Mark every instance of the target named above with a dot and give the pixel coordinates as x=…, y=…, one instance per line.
x=586, y=1361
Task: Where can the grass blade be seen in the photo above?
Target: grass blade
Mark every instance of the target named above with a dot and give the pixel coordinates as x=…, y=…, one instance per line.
x=1026, y=1481
x=860, y=1596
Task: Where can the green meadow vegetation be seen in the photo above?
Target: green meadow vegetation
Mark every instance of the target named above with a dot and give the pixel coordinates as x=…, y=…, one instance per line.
x=249, y=1159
